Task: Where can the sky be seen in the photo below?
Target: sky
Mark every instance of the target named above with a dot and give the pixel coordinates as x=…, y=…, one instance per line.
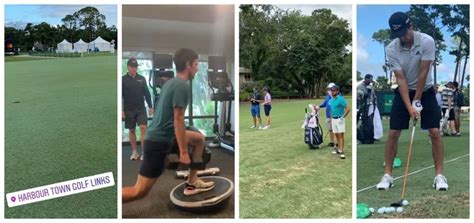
x=370, y=55
x=19, y=15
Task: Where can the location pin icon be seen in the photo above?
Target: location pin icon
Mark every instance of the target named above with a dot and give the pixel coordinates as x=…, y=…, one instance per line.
x=13, y=199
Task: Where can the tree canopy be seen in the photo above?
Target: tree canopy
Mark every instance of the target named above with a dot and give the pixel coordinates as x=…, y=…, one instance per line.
x=292, y=52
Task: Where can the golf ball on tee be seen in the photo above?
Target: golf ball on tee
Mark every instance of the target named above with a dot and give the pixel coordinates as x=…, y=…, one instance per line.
x=405, y=203
x=399, y=209
x=371, y=210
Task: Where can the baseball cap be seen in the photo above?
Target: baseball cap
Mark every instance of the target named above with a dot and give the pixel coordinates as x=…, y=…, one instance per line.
x=132, y=62
x=330, y=85
x=334, y=87
x=399, y=23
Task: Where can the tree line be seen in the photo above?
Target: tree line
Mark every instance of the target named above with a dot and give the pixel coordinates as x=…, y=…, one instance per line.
x=295, y=53
x=87, y=24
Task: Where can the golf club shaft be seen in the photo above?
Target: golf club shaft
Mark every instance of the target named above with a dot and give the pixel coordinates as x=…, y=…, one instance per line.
x=408, y=160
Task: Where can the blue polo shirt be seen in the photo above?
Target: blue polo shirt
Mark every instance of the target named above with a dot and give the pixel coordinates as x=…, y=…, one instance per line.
x=326, y=104
x=338, y=105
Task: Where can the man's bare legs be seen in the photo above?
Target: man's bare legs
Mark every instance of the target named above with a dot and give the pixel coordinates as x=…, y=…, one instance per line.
x=196, y=141
x=391, y=149
x=437, y=150
x=133, y=140
x=139, y=190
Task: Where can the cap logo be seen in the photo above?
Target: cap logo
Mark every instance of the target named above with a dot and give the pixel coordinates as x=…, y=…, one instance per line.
x=396, y=27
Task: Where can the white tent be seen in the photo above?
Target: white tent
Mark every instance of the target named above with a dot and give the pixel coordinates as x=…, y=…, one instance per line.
x=80, y=46
x=100, y=44
x=64, y=47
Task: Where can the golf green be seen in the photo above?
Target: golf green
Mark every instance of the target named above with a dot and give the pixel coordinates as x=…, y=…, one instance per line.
x=280, y=177
x=425, y=202
x=61, y=124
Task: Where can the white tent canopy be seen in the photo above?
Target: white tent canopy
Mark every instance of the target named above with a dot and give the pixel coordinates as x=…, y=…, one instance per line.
x=80, y=46
x=100, y=44
x=64, y=47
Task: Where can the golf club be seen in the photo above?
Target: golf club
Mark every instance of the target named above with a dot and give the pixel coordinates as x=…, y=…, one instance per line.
x=402, y=195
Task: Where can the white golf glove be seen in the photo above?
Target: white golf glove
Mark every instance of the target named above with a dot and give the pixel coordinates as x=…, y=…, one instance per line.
x=416, y=104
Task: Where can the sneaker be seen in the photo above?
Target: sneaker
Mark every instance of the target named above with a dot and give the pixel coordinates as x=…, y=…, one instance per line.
x=260, y=127
x=331, y=144
x=134, y=156
x=336, y=151
x=266, y=127
x=197, y=187
x=440, y=183
x=141, y=157
x=253, y=126
x=458, y=133
x=385, y=183
x=342, y=156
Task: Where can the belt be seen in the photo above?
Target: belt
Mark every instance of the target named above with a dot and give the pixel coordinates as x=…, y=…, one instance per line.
x=336, y=117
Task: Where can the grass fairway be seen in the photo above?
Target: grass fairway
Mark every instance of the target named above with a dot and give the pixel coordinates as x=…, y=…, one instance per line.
x=425, y=202
x=60, y=124
x=23, y=58
x=280, y=177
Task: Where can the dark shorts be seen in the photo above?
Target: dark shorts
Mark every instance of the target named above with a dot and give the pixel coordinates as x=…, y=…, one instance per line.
x=450, y=115
x=155, y=154
x=255, y=110
x=134, y=118
x=430, y=115
x=267, y=109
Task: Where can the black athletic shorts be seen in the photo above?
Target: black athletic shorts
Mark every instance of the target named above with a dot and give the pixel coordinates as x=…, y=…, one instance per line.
x=267, y=109
x=155, y=154
x=450, y=115
x=430, y=115
x=134, y=118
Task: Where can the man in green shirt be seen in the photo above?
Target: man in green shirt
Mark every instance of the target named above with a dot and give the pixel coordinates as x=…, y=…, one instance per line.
x=168, y=124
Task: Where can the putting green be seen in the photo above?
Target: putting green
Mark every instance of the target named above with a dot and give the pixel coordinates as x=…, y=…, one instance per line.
x=425, y=201
x=280, y=177
x=61, y=124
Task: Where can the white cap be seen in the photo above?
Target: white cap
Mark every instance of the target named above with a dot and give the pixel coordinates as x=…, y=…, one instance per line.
x=330, y=85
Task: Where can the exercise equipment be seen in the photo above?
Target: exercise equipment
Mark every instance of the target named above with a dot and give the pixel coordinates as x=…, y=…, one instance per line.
x=207, y=172
x=222, y=91
x=205, y=201
x=161, y=72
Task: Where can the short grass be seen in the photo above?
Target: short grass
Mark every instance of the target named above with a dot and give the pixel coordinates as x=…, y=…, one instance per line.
x=23, y=58
x=425, y=201
x=60, y=124
x=280, y=177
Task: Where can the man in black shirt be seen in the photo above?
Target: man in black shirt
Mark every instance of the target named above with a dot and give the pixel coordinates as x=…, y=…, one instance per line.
x=134, y=91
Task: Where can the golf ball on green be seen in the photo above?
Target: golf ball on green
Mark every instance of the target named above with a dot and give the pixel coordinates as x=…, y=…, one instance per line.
x=405, y=203
x=399, y=209
x=371, y=210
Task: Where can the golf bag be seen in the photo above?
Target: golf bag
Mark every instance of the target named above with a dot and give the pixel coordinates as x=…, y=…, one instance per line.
x=365, y=131
x=313, y=133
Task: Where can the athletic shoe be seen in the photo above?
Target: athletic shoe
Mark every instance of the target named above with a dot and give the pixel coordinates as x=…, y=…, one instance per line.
x=260, y=127
x=141, y=157
x=134, y=156
x=342, y=156
x=253, y=126
x=336, y=151
x=385, y=183
x=440, y=183
x=458, y=133
x=331, y=144
x=266, y=127
x=197, y=187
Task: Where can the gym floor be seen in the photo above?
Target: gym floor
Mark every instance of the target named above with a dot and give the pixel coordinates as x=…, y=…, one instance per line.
x=157, y=203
